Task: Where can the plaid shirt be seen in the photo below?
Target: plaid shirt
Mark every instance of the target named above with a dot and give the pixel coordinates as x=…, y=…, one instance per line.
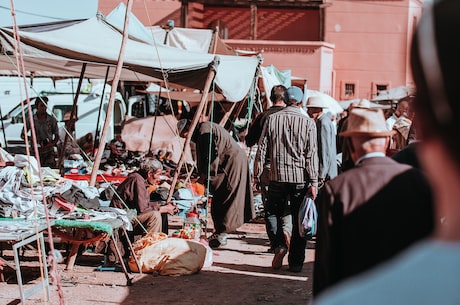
x=289, y=138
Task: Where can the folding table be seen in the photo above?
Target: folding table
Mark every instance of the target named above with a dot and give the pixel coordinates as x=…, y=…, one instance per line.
x=20, y=233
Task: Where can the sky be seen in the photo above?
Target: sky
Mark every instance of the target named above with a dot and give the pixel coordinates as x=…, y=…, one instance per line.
x=42, y=11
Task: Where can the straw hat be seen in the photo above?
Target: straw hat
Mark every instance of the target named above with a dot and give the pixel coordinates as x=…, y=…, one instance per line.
x=366, y=122
x=316, y=102
x=363, y=104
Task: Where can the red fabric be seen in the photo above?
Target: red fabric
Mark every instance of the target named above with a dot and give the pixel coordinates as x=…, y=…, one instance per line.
x=99, y=178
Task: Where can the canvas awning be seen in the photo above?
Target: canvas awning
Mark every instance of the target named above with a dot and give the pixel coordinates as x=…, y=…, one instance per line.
x=394, y=94
x=138, y=134
x=195, y=40
x=97, y=43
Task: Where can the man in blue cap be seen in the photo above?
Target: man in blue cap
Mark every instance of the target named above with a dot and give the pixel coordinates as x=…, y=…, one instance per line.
x=289, y=140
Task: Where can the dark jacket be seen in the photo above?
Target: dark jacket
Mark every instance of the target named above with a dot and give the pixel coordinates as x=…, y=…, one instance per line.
x=367, y=215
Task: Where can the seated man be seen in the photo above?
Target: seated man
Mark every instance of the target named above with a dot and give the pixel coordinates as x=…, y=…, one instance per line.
x=133, y=193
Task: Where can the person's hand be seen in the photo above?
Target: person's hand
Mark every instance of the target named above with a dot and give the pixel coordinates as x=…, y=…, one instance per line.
x=312, y=192
x=170, y=208
x=256, y=183
x=321, y=182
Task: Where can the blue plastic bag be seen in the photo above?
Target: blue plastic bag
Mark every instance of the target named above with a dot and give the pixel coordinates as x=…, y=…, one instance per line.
x=308, y=217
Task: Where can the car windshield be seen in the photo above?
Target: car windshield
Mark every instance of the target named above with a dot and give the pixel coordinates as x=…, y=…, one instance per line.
x=16, y=112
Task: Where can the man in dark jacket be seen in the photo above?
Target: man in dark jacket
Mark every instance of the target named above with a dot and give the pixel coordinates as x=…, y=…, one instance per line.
x=133, y=193
x=221, y=160
x=371, y=212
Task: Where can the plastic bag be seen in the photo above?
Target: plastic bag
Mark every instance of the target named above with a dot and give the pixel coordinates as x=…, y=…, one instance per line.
x=168, y=256
x=308, y=217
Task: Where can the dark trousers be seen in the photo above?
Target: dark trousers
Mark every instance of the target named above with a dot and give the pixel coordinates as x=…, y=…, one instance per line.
x=287, y=219
x=280, y=194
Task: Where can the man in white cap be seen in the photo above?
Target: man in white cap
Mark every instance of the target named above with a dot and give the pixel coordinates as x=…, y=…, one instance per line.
x=327, y=150
x=371, y=212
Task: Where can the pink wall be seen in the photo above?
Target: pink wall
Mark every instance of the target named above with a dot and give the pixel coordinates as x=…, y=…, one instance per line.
x=372, y=41
x=309, y=60
x=272, y=24
x=149, y=12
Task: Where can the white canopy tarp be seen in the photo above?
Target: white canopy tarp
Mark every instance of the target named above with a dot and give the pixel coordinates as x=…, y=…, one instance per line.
x=346, y=104
x=137, y=133
x=394, y=94
x=332, y=104
x=96, y=42
x=195, y=40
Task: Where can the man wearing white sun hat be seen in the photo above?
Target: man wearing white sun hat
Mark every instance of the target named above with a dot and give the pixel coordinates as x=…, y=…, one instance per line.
x=366, y=214
x=327, y=149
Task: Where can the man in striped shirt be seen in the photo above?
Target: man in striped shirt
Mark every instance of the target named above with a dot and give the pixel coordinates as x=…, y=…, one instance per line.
x=289, y=141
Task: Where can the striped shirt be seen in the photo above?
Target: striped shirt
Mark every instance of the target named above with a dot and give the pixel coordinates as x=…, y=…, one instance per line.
x=289, y=138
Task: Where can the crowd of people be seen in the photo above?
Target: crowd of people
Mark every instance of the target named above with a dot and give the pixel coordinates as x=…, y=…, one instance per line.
x=378, y=180
x=426, y=272
x=299, y=154
x=376, y=195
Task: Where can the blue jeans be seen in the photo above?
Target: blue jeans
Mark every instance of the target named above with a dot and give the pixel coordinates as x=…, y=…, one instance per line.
x=270, y=220
x=280, y=196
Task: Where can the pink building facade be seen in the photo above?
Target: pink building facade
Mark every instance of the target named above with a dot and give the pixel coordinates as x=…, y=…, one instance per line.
x=348, y=49
x=372, y=43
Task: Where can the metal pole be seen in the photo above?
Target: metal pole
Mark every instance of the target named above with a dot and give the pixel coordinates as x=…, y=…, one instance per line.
x=72, y=117
x=3, y=129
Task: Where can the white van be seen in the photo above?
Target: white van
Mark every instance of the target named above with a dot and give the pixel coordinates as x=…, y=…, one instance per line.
x=88, y=108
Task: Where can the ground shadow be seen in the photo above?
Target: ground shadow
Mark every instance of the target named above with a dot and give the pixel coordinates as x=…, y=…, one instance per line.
x=209, y=287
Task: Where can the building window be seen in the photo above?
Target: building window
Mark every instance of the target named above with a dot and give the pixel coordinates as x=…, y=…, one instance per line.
x=378, y=87
x=349, y=90
x=381, y=87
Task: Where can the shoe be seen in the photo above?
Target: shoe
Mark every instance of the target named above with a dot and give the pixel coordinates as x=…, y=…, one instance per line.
x=217, y=240
x=277, y=261
x=295, y=269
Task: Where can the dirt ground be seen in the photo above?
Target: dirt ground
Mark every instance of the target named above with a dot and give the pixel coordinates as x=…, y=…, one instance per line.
x=241, y=273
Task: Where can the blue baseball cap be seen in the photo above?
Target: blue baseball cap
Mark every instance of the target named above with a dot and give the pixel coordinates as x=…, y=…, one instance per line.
x=295, y=93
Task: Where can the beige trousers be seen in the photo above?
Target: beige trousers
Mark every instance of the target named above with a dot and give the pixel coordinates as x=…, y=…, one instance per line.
x=150, y=220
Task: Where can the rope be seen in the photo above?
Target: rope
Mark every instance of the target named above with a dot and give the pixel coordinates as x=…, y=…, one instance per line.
x=53, y=270
x=163, y=72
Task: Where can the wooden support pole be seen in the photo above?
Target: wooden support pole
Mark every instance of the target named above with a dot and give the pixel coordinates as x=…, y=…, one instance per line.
x=100, y=151
x=197, y=116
